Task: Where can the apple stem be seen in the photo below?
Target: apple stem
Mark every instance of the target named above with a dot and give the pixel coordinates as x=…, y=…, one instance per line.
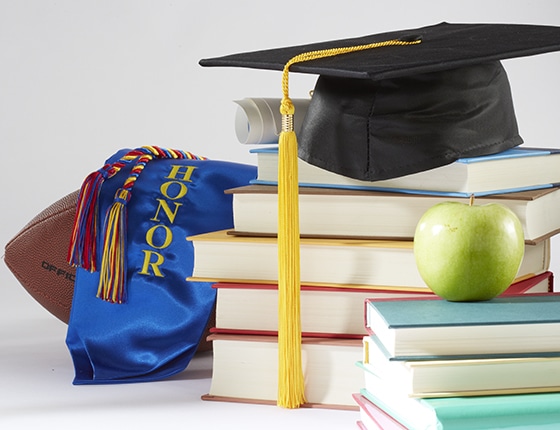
x=471, y=200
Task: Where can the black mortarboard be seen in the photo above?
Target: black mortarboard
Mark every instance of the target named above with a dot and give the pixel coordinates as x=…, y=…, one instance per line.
x=382, y=113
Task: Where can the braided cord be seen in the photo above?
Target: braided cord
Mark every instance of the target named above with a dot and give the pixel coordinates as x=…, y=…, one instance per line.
x=82, y=251
x=286, y=106
x=112, y=279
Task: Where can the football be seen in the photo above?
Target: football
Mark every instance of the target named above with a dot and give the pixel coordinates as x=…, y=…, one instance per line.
x=37, y=256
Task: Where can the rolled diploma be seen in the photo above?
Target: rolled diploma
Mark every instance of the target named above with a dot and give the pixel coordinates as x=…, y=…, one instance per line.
x=258, y=120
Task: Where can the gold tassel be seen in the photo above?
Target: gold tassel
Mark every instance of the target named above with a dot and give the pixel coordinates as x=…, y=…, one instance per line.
x=291, y=385
x=290, y=372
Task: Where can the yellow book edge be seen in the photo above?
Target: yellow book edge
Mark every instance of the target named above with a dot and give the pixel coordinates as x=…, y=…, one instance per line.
x=479, y=393
x=404, y=288
x=335, y=237
x=226, y=236
x=312, y=284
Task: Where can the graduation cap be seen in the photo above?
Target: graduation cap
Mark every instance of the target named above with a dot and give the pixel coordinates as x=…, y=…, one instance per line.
x=387, y=105
x=382, y=113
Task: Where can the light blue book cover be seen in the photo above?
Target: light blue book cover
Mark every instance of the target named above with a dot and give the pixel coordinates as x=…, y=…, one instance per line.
x=519, y=152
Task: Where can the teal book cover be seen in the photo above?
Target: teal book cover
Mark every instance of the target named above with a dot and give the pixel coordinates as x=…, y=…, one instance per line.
x=519, y=411
x=525, y=325
x=516, y=309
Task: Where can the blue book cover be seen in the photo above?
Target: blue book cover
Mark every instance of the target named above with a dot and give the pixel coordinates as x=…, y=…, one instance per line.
x=509, y=153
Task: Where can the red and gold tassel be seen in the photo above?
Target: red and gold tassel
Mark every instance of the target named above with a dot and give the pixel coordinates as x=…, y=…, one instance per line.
x=112, y=273
x=113, y=262
x=82, y=251
x=112, y=276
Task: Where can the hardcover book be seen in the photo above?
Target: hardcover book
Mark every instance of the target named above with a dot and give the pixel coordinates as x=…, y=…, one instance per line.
x=372, y=417
x=245, y=370
x=343, y=262
x=508, y=326
x=243, y=308
x=337, y=212
x=460, y=377
x=516, y=169
x=516, y=411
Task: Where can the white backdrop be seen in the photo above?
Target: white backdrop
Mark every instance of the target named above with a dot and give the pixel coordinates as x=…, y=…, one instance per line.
x=82, y=79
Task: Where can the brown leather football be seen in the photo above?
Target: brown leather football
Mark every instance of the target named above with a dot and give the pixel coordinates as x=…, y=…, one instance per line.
x=37, y=256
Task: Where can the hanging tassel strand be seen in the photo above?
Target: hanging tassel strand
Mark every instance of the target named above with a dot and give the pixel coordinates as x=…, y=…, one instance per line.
x=290, y=377
x=291, y=385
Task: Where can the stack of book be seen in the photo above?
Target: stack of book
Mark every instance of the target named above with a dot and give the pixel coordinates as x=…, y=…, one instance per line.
x=356, y=245
x=430, y=363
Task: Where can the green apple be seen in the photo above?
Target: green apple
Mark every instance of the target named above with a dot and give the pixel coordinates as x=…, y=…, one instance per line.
x=467, y=252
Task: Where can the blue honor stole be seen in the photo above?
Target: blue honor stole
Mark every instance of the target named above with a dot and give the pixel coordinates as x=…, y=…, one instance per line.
x=139, y=319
